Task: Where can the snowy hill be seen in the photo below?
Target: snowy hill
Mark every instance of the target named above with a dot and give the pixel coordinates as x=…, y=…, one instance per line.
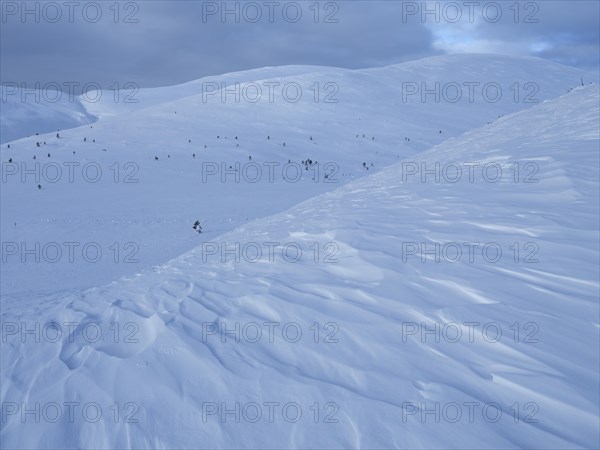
x=25, y=112
x=402, y=344
x=102, y=188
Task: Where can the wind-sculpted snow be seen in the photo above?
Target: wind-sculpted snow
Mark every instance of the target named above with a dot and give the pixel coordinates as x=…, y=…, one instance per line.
x=400, y=343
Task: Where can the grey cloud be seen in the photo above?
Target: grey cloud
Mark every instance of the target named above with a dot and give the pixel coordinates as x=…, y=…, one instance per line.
x=172, y=44
x=567, y=32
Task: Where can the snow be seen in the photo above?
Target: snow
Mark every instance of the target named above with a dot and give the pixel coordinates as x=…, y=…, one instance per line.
x=28, y=111
x=373, y=373
x=150, y=220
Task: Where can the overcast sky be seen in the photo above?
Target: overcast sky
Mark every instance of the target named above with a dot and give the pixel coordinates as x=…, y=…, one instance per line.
x=154, y=43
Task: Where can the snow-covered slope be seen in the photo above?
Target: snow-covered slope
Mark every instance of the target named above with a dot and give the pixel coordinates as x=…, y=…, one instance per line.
x=134, y=97
x=373, y=376
x=24, y=112
x=352, y=122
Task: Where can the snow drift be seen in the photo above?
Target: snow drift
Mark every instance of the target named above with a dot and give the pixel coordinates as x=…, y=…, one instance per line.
x=427, y=307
